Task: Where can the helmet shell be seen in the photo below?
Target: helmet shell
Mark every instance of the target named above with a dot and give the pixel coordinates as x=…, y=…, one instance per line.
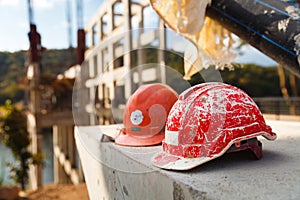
x=205, y=121
x=145, y=115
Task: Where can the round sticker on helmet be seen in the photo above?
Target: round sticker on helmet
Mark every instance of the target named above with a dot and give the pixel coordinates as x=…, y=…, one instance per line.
x=136, y=117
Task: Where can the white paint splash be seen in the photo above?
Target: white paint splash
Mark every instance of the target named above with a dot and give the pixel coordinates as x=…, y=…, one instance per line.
x=293, y=12
x=297, y=46
x=283, y=24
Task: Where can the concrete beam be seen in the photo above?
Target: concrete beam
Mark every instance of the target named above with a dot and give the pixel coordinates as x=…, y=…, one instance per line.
x=67, y=166
x=57, y=118
x=117, y=172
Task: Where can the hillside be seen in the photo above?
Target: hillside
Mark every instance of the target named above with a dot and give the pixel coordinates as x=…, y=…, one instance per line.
x=255, y=80
x=13, y=70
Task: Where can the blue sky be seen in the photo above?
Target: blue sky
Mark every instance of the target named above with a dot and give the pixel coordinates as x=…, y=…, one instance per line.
x=50, y=18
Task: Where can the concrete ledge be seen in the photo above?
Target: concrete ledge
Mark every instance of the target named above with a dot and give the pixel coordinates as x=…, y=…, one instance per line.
x=282, y=117
x=115, y=172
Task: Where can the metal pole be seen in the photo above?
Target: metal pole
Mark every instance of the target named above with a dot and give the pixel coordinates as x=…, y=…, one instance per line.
x=30, y=12
x=69, y=22
x=267, y=25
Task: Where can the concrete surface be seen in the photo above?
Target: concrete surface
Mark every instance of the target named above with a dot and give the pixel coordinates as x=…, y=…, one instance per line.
x=295, y=118
x=116, y=172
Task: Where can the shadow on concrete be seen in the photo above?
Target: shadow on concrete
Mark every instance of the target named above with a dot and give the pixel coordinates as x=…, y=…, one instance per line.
x=243, y=160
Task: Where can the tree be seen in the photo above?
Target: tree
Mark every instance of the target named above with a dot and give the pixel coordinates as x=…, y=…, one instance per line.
x=15, y=136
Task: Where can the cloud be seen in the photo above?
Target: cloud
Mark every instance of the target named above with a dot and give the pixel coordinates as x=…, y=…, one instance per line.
x=45, y=4
x=42, y=4
x=9, y=2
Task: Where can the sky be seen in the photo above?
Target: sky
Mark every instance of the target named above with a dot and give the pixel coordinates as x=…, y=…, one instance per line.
x=50, y=18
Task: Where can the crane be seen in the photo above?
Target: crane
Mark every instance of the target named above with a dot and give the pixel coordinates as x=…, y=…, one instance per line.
x=69, y=22
x=80, y=32
x=33, y=36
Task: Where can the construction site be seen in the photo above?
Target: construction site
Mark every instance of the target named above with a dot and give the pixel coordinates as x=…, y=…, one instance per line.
x=84, y=107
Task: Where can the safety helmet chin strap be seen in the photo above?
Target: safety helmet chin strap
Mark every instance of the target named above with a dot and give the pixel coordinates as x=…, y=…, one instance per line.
x=253, y=144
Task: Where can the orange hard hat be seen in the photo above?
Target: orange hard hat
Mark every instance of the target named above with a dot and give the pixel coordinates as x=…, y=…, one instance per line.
x=146, y=114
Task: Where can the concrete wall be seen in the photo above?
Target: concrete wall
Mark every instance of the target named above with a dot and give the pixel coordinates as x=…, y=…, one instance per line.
x=116, y=172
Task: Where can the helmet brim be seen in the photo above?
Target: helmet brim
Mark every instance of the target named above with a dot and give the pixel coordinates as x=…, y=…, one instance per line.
x=269, y=134
x=165, y=160
x=128, y=140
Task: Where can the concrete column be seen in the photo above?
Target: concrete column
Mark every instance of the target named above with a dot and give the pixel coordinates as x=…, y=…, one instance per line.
x=100, y=33
x=111, y=50
x=127, y=47
x=110, y=14
x=95, y=35
x=91, y=37
x=99, y=63
x=64, y=139
x=55, y=159
x=102, y=26
x=91, y=68
x=59, y=141
x=161, y=54
x=35, y=172
x=71, y=145
x=34, y=124
x=92, y=101
x=141, y=56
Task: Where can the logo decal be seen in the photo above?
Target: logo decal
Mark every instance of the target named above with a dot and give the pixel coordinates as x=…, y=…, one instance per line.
x=136, y=117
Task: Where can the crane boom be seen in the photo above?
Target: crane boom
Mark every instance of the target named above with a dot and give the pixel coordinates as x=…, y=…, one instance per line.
x=30, y=12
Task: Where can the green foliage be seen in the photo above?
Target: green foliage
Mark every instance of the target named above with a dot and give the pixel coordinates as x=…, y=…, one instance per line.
x=57, y=61
x=2, y=165
x=38, y=159
x=1, y=176
x=12, y=91
x=13, y=70
x=255, y=80
x=10, y=75
x=173, y=59
x=10, y=64
x=16, y=138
